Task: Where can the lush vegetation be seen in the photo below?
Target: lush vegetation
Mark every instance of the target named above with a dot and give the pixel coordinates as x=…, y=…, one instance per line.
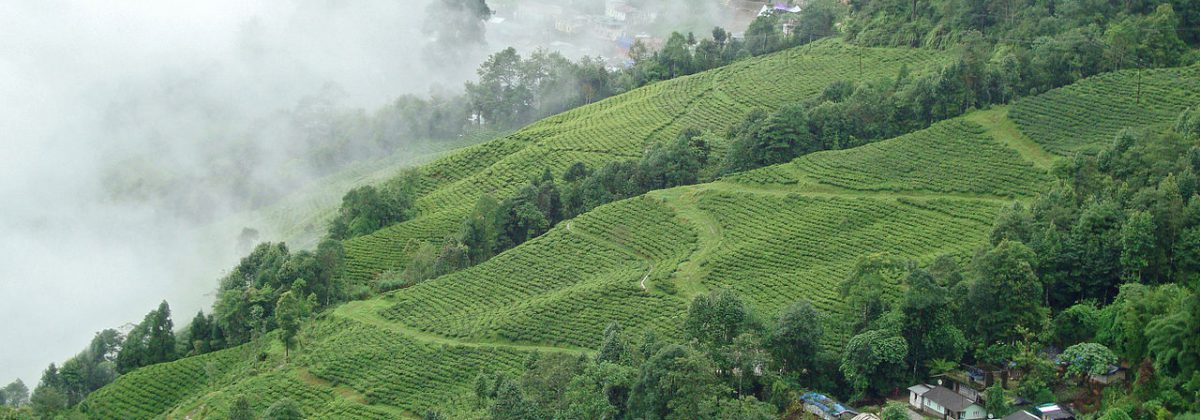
x=618, y=129
x=955, y=156
x=1085, y=116
x=860, y=237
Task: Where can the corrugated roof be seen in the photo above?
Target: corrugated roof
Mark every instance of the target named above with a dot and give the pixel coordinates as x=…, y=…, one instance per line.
x=919, y=389
x=1021, y=415
x=945, y=397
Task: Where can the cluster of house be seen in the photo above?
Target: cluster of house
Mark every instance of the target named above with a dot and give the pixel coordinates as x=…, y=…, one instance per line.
x=958, y=396
x=825, y=408
x=614, y=30
x=611, y=33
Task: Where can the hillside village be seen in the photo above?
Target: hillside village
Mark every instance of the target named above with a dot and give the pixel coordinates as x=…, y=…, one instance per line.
x=610, y=31
x=962, y=394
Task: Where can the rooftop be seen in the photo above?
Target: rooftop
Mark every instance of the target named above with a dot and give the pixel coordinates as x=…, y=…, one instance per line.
x=946, y=397
x=1021, y=415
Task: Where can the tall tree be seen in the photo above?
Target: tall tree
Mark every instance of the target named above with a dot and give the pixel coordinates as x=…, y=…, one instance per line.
x=873, y=362
x=717, y=318
x=928, y=323
x=160, y=336
x=867, y=288
x=17, y=393
x=1005, y=295
x=284, y=409
x=289, y=311
x=676, y=383
x=797, y=336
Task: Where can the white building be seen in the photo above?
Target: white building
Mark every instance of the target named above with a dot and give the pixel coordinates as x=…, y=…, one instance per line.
x=944, y=403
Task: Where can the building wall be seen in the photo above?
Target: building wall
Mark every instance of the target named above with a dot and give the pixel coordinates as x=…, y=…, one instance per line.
x=933, y=407
x=974, y=412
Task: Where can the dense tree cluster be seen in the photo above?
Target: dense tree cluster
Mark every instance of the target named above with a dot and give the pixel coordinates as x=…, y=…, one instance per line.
x=369, y=208
x=941, y=23
x=62, y=387
x=513, y=91
x=726, y=368
x=683, y=54
x=849, y=114
x=249, y=296
x=1103, y=266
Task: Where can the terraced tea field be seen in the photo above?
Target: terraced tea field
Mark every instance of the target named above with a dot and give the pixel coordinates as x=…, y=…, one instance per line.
x=1087, y=115
x=774, y=235
x=959, y=156
x=619, y=128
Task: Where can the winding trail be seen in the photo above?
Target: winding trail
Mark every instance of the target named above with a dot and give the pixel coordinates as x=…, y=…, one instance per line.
x=367, y=312
x=1005, y=131
x=684, y=201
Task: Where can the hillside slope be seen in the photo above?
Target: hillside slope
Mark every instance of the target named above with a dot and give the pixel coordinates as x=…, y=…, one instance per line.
x=775, y=235
x=301, y=217
x=619, y=128
x=1086, y=115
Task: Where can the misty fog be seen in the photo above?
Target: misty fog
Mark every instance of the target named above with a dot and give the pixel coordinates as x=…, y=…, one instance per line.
x=115, y=116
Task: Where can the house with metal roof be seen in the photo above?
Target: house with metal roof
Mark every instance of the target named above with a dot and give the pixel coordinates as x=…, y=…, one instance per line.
x=826, y=408
x=1043, y=412
x=1111, y=376
x=1021, y=415
x=945, y=403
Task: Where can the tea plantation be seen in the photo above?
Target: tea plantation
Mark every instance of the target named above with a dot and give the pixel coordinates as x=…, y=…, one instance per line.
x=774, y=235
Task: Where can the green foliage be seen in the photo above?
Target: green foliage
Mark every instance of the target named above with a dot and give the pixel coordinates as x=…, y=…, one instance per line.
x=796, y=339
x=246, y=301
x=866, y=289
x=676, y=383
x=392, y=368
x=546, y=379
x=600, y=391
x=152, y=390
x=242, y=410
x=717, y=318
x=663, y=165
x=779, y=266
x=150, y=342
x=613, y=130
x=367, y=209
x=510, y=404
x=1005, y=296
x=573, y=299
x=289, y=312
x=1077, y=324
x=613, y=349
x=16, y=394
x=284, y=409
x=765, y=140
x=1087, y=359
x=1173, y=343
x=928, y=323
x=996, y=401
x=955, y=156
x=894, y=411
x=48, y=401
x=1087, y=115
x=873, y=362
x=512, y=91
